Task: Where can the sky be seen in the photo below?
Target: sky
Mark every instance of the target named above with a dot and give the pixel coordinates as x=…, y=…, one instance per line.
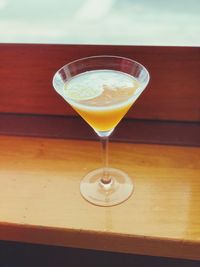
x=131, y=22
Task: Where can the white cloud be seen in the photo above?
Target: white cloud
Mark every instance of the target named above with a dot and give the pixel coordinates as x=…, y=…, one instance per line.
x=3, y=4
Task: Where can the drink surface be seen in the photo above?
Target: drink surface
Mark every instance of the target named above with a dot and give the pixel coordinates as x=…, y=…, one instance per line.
x=101, y=97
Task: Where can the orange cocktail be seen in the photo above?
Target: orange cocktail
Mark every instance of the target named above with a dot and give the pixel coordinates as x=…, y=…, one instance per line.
x=101, y=97
x=102, y=89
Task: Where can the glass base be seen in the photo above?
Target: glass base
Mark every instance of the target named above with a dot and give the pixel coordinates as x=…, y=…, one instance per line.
x=117, y=191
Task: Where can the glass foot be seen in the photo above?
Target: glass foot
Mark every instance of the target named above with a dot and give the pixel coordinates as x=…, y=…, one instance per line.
x=117, y=191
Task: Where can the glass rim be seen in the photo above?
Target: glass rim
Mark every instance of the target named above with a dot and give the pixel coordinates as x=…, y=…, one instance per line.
x=101, y=108
x=104, y=56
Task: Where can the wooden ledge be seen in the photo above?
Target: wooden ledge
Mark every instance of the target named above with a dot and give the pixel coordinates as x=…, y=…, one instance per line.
x=128, y=130
x=40, y=200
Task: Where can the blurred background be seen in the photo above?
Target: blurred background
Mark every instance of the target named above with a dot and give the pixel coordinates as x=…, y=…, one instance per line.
x=129, y=22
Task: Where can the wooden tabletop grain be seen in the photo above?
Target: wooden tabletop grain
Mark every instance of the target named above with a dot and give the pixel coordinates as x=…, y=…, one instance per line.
x=40, y=200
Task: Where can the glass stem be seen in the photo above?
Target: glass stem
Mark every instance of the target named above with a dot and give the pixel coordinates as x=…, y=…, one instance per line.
x=104, y=147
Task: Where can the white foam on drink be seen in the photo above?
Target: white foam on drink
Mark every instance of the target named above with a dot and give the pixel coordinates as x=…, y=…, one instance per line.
x=100, y=89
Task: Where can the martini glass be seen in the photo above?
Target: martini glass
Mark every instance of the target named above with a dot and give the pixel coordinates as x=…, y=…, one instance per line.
x=102, y=89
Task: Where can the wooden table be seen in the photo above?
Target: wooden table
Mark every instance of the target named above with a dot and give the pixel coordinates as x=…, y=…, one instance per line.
x=40, y=200
x=40, y=173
